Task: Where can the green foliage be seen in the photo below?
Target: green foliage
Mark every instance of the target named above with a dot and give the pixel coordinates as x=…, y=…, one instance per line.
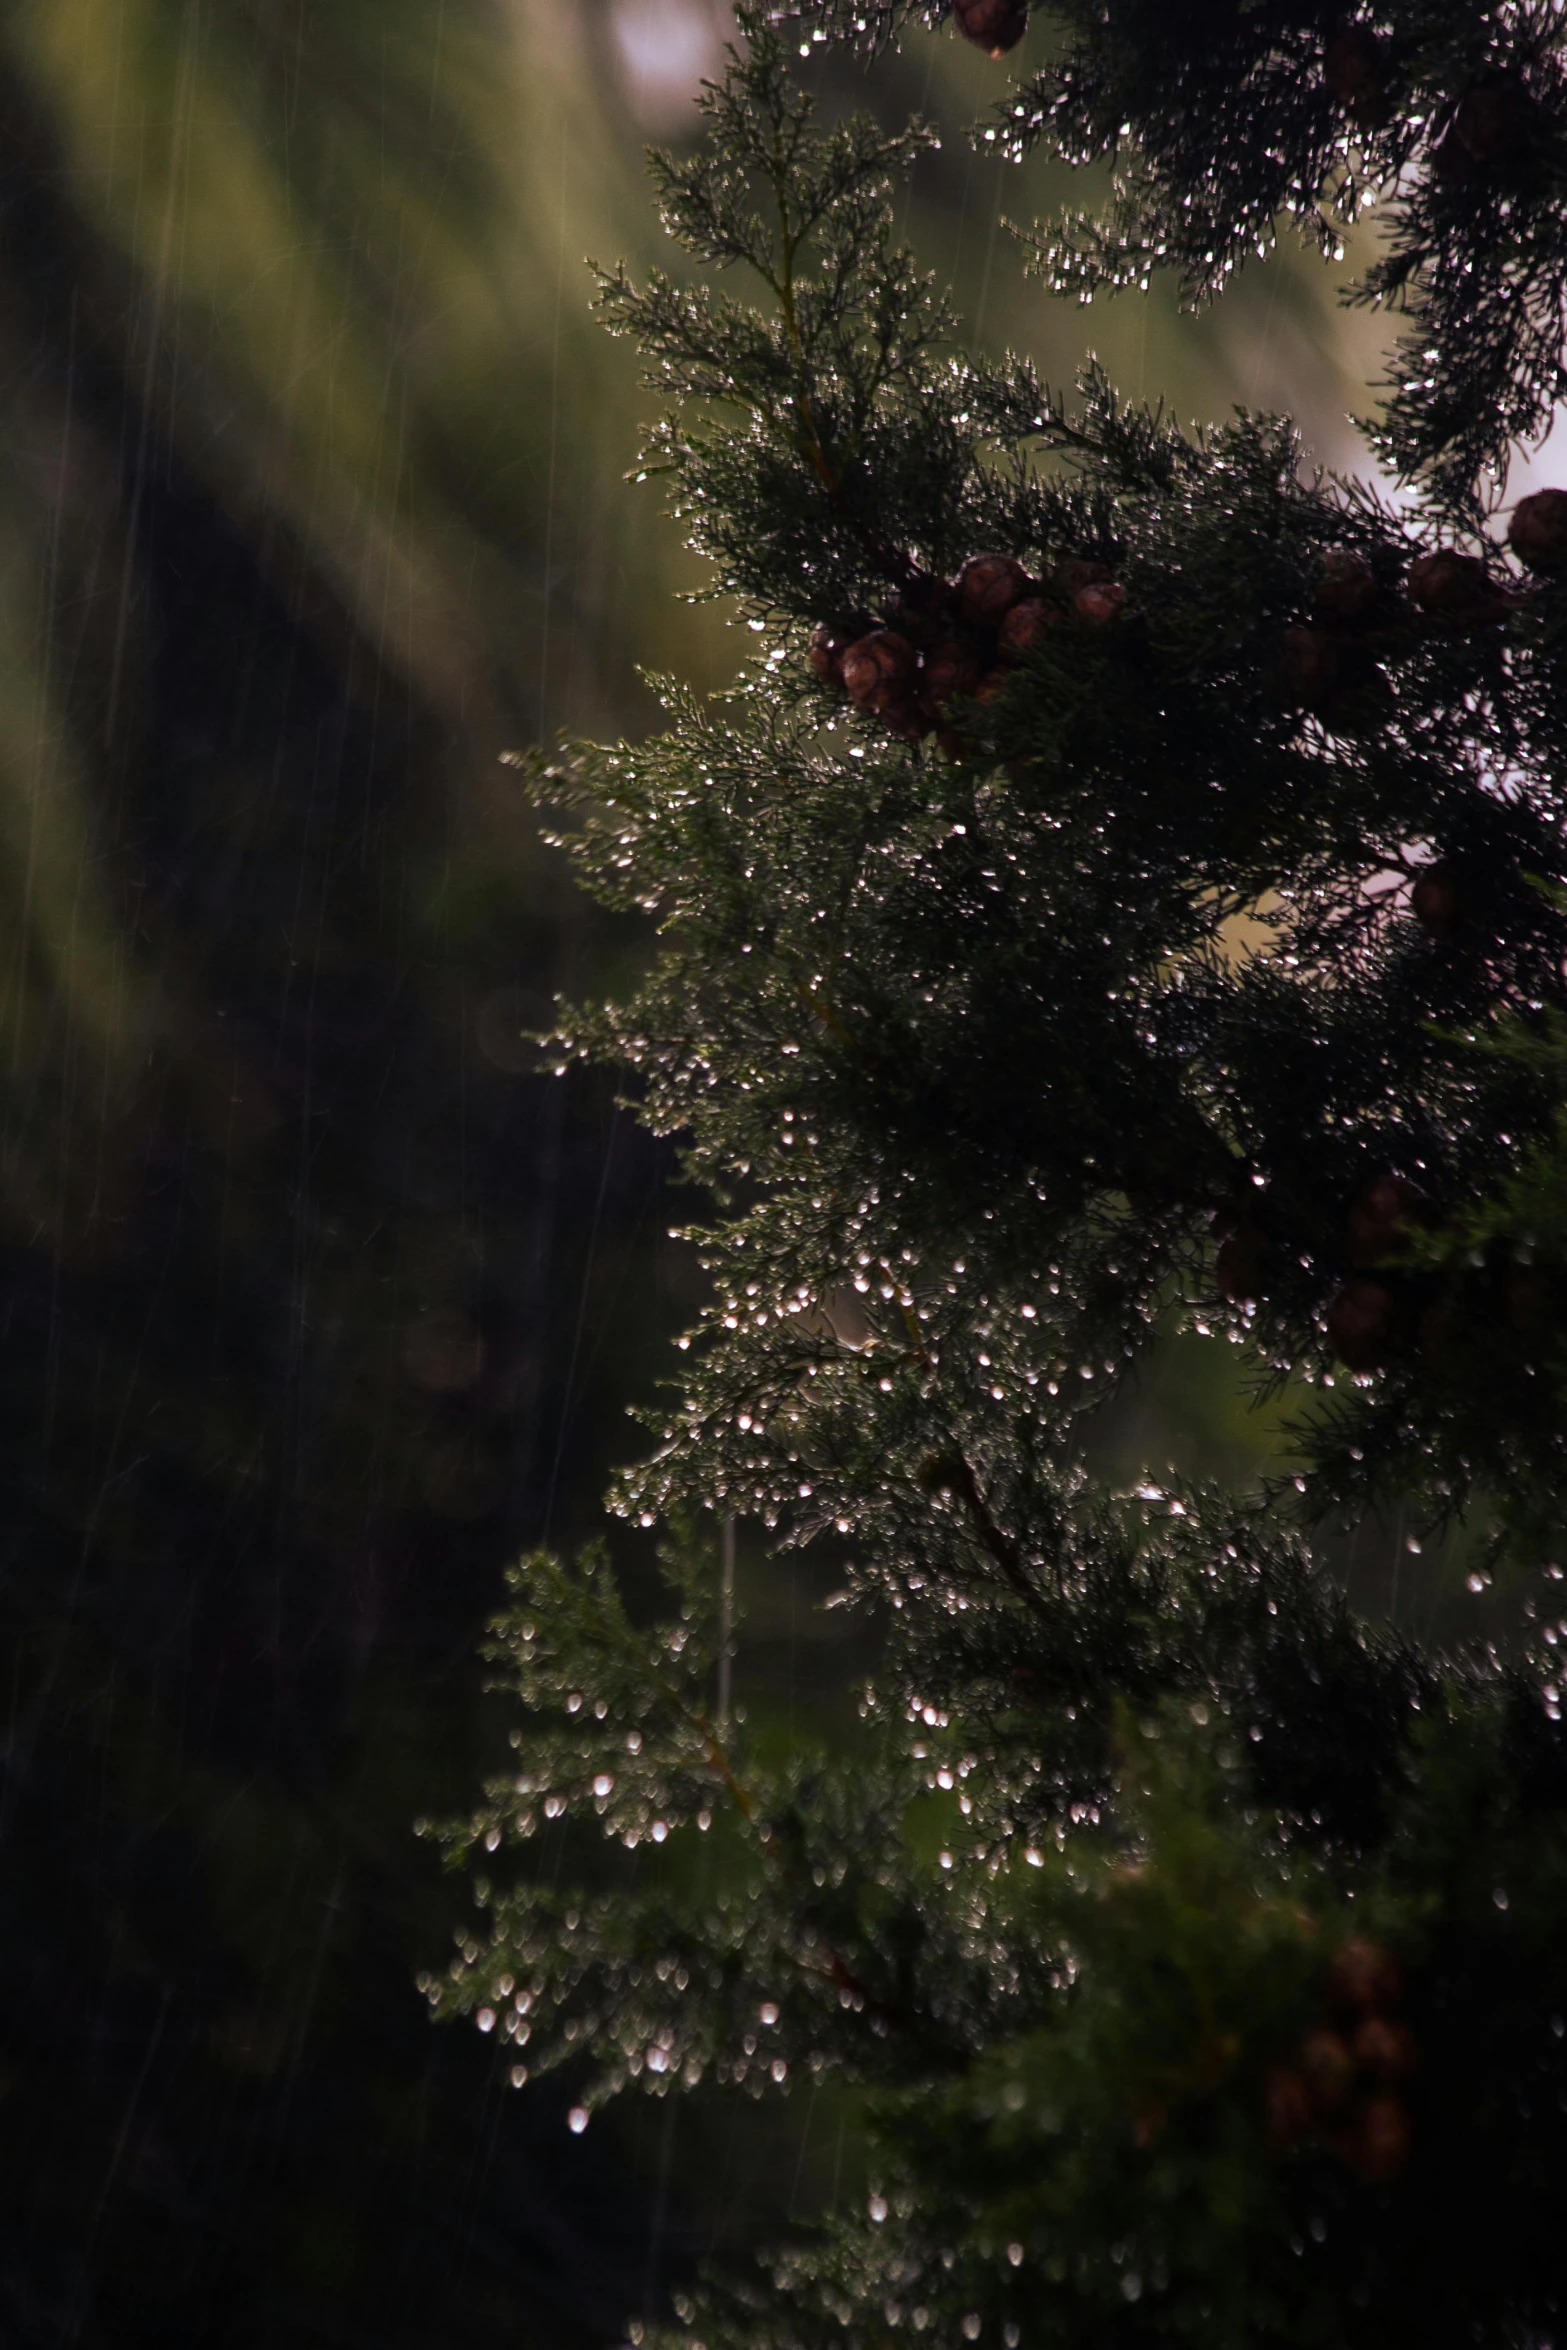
x=865, y=950
x=1120, y=2170
x=1082, y=1973
x=1216, y=121
x=1139, y=900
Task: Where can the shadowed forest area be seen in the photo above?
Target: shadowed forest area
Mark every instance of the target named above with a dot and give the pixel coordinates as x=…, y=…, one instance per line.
x=321, y=1298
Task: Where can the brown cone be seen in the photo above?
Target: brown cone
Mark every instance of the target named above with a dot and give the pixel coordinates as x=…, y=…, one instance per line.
x=1099, y=604
x=1363, y=1325
x=1376, y=2145
x=1434, y=901
x=1287, y=2106
x=1455, y=589
x=1078, y=571
x=878, y=674
x=1381, y=1217
x=1025, y=624
x=1327, y=2068
x=994, y=25
x=1364, y=1977
x=988, y=586
x=1352, y=65
x=1537, y=533
x=1384, y=2049
x=922, y=610
x=950, y=667
x=1346, y=588
x=945, y=1473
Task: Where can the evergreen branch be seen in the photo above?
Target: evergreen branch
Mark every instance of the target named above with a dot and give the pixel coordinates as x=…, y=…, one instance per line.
x=1152, y=910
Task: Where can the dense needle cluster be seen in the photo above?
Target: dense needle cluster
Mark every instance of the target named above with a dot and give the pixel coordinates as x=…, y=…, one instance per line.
x=1128, y=884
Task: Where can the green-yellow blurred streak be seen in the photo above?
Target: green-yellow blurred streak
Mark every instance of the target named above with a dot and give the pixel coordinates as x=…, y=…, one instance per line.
x=349, y=227
x=330, y=256
x=73, y=1017
x=58, y=947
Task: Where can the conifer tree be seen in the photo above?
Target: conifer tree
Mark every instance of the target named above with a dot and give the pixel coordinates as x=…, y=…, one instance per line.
x=1197, y=1945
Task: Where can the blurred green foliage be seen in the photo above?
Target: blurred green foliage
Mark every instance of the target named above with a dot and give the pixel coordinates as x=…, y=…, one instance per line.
x=311, y=504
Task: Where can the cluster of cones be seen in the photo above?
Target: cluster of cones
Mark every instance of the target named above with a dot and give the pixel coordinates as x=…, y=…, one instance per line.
x=1481, y=124
x=1340, y=2086
x=1383, y=1306
x=1371, y=1316
x=944, y=639
x=1366, y=1319
x=1328, y=664
x=1368, y=1316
